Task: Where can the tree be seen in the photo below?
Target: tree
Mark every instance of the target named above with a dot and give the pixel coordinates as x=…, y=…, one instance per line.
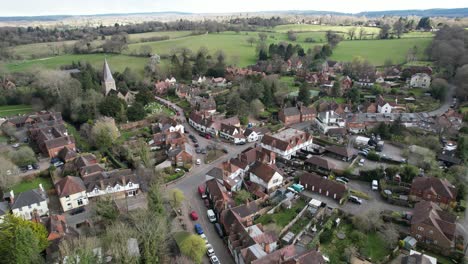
x=292, y=36
x=106, y=209
x=136, y=112
x=398, y=28
x=104, y=133
x=80, y=250
x=333, y=39
x=193, y=247
x=262, y=36
x=349, y=252
x=146, y=50
x=352, y=33
x=251, y=40
x=262, y=55
x=144, y=96
x=112, y=106
x=116, y=44
x=116, y=242
x=390, y=235
x=439, y=88
x=256, y=107
x=304, y=94
x=6, y=170
x=362, y=32
x=354, y=95
x=462, y=85
x=176, y=197
x=462, y=147
x=22, y=241
x=424, y=23
x=384, y=32
x=152, y=232
x=408, y=173
x=175, y=66
x=370, y=221
x=242, y=197
x=186, y=70
x=200, y=66
x=336, y=89
x=23, y=156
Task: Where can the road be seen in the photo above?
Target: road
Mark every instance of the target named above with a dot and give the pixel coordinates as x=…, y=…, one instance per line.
x=446, y=104
x=188, y=185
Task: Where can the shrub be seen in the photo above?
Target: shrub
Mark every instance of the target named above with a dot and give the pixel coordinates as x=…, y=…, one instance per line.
x=373, y=156
x=326, y=236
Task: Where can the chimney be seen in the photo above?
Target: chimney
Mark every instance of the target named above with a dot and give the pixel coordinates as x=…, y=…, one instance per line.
x=124, y=181
x=41, y=187
x=326, y=117
x=102, y=184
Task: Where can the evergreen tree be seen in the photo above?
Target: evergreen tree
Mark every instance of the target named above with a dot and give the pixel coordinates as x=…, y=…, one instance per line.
x=200, y=67
x=175, y=66
x=304, y=94
x=262, y=55
x=186, y=72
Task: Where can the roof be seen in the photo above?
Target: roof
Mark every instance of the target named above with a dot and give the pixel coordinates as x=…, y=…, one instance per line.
x=27, y=198
x=342, y=151
x=449, y=158
x=59, y=142
x=215, y=173
x=248, y=209
x=263, y=171
x=286, y=138
x=228, y=129
x=311, y=179
x=109, y=178
x=57, y=226
x=91, y=169
x=321, y=162
x=431, y=214
x=311, y=256
x=415, y=259
x=284, y=253
x=69, y=185
x=4, y=208
x=290, y=111
x=67, y=153
x=437, y=186
x=106, y=72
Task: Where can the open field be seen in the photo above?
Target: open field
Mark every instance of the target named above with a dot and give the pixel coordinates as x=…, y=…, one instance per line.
x=11, y=110
x=116, y=62
x=377, y=51
x=304, y=27
x=134, y=38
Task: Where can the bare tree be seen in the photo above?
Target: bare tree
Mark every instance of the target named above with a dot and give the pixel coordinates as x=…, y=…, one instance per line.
x=116, y=242
x=352, y=33
x=7, y=170
x=80, y=250
x=390, y=235
x=251, y=40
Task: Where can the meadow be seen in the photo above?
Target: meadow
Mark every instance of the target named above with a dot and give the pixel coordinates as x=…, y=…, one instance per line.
x=239, y=52
x=12, y=110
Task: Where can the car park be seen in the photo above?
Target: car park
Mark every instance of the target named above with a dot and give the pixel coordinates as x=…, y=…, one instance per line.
x=355, y=199
x=209, y=250
x=198, y=229
x=214, y=260
x=194, y=215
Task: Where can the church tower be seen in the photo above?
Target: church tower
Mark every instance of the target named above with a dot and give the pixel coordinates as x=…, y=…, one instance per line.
x=108, y=82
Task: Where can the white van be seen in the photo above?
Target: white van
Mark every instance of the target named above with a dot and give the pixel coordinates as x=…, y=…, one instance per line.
x=375, y=185
x=211, y=216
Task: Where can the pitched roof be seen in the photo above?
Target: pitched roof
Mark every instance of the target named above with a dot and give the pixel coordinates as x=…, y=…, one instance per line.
x=320, y=183
x=321, y=162
x=69, y=185
x=290, y=111
x=431, y=214
x=415, y=259
x=282, y=254
x=109, y=178
x=106, y=72
x=311, y=256
x=247, y=209
x=342, y=151
x=57, y=226
x=437, y=186
x=59, y=142
x=228, y=129
x=27, y=198
x=67, y=153
x=263, y=171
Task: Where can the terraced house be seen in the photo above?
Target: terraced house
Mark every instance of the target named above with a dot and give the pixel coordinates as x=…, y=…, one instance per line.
x=287, y=142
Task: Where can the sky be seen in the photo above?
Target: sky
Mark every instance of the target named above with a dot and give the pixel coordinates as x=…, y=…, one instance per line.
x=89, y=7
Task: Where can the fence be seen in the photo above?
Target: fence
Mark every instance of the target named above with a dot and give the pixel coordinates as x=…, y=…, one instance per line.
x=136, y=124
x=293, y=221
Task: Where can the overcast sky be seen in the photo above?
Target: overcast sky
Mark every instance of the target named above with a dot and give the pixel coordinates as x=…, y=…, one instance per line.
x=88, y=7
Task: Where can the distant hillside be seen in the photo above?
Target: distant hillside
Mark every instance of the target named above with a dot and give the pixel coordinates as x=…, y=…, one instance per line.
x=62, y=17
x=454, y=12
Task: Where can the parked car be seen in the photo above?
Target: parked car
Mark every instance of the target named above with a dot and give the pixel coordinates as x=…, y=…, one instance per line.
x=214, y=260
x=198, y=161
x=201, y=191
x=355, y=199
x=16, y=145
x=198, y=229
x=219, y=230
x=178, y=170
x=203, y=151
x=204, y=238
x=198, y=150
x=36, y=166
x=361, y=162
x=206, y=202
x=196, y=145
x=209, y=250
x=208, y=136
x=375, y=185
x=30, y=167
x=58, y=164
x=211, y=216
x=194, y=215
x=343, y=179
x=225, y=150
x=54, y=160
x=340, y=181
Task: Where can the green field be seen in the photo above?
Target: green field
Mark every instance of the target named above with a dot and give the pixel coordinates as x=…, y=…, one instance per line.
x=304, y=27
x=12, y=110
x=377, y=51
x=116, y=62
x=33, y=184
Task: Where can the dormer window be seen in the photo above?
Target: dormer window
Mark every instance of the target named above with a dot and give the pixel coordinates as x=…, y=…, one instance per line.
x=96, y=190
x=130, y=184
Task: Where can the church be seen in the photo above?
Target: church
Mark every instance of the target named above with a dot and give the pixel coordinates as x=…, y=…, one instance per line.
x=109, y=87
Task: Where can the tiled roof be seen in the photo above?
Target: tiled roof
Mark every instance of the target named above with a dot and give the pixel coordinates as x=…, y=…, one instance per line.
x=438, y=186
x=263, y=171
x=291, y=111
x=321, y=162
x=342, y=151
x=320, y=183
x=69, y=185
x=59, y=142
x=248, y=209
x=27, y=198
x=431, y=214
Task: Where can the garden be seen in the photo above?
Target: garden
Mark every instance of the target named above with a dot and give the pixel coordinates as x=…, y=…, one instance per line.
x=282, y=216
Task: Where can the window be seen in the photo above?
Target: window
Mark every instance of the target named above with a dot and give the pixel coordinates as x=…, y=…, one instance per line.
x=96, y=190
x=275, y=181
x=69, y=205
x=67, y=197
x=130, y=184
x=80, y=202
x=420, y=228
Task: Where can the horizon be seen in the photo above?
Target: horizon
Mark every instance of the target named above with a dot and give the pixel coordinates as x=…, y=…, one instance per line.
x=56, y=8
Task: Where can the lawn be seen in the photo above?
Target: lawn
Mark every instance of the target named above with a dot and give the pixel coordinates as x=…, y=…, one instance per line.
x=375, y=247
x=157, y=108
x=212, y=155
x=12, y=110
x=338, y=100
x=283, y=216
x=116, y=62
x=377, y=51
x=32, y=184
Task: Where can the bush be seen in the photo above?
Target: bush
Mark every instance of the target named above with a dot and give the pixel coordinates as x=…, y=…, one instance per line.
x=373, y=156
x=326, y=236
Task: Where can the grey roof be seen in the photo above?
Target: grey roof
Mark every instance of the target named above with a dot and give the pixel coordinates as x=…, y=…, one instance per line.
x=28, y=198
x=4, y=209
x=106, y=72
x=215, y=173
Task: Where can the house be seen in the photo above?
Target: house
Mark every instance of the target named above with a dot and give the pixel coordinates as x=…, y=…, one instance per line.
x=318, y=184
x=329, y=120
x=365, y=82
x=231, y=133
x=278, y=256
x=28, y=203
x=203, y=124
x=255, y=134
x=161, y=87
x=266, y=175
x=218, y=196
x=229, y=174
x=67, y=154
x=383, y=106
x=53, y=146
x=207, y=106
x=420, y=80
x=341, y=153
x=320, y=164
x=108, y=82
x=287, y=142
x=346, y=84
x=128, y=96
x=71, y=192
x=181, y=156
x=437, y=190
x=117, y=183
x=168, y=124
x=298, y=114
x=311, y=256
x=416, y=257
x=433, y=226
x=167, y=140
x=412, y=70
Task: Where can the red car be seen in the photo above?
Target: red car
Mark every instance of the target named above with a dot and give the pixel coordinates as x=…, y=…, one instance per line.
x=201, y=191
x=194, y=216
x=207, y=203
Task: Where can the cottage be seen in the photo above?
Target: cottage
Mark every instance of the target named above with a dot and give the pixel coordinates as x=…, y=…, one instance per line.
x=181, y=155
x=420, y=80
x=319, y=163
x=433, y=226
x=116, y=182
x=318, y=184
x=434, y=189
x=28, y=203
x=294, y=115
x=231, y=133
x=287, y=142
x=71, y=192
x=266, y=176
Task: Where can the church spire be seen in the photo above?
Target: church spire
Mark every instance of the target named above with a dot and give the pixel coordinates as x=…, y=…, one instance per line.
x=108, y=82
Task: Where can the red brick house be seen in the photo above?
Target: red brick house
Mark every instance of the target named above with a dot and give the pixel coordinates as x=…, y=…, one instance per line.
x=318, y=184
x=294, y=115
x=434, y=189
x=433, y=226
x=54, y=146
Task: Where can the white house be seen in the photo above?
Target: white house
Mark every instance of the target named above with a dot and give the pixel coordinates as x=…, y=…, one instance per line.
x=27, y=203
x=118, y=182
x=231, y=133
x=287, y=142
x=228, y=173
x=420, y=80
x=265, y=176
x=71, y=192
x=329, y=120
x=172, y=80
x=384, y=107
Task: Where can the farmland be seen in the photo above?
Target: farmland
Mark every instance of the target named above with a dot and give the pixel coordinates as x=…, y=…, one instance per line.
x=11, y=110
x=239, y=52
